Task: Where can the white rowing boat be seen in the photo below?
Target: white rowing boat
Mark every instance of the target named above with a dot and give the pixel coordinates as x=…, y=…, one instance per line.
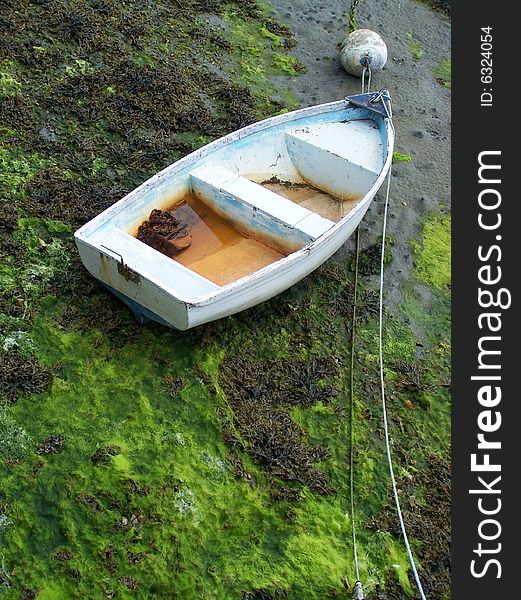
x=262, y=207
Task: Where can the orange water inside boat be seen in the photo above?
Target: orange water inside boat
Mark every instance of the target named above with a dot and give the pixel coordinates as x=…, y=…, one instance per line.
x=222, y=254
x=218, y=252
x=323, y=204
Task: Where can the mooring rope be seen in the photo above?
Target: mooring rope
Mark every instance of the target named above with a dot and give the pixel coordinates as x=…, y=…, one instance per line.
x=367, y=68
x=358, y=593
x=351, y=409
x=382, y=380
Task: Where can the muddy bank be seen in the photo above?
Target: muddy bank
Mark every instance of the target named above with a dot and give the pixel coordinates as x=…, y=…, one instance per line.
x=211, y=462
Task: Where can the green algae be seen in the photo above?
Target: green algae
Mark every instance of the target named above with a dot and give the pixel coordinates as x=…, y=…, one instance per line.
x=176, y=503
x=14, y=442
x=259, y=48
x=125, y=404
x=433, y=255
x=42, y=238
x=224, y=532
x=9, y=86
x=401, y=157
x=288, y=64
x=41, y=258
x=104, y=406
x=415, y=47
x=17, y=168
x=443, y=72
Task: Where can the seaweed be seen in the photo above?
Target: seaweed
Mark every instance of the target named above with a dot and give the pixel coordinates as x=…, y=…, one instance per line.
x=108, y=93
x=264, y=594
x=104, y=455
x=22, y=375
x=63, y=554
x=52, y=194
x=209, y=462
x=90, y=502
x=440, y=5
x=260, y=395
x=342, y=304
x=370, y=260
x=173, y=385
x=53, y=444
x=129, y=582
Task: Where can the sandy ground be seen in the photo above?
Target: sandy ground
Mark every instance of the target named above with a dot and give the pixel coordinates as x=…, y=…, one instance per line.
x=421, y=106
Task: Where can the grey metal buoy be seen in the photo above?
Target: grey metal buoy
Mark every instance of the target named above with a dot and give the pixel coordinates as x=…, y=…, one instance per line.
x=361, y=49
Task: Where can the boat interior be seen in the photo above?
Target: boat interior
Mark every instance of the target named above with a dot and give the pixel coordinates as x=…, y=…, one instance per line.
x=252, y=202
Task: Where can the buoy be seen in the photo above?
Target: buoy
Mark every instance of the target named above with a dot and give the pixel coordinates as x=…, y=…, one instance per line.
x=363, y=48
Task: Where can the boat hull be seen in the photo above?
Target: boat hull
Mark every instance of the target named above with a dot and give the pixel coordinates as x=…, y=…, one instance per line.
x=158, y=288
x=149, y=301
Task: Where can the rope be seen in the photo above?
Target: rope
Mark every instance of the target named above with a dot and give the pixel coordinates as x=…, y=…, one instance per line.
x=351, y=410
x=382, y=382
x=367, y=68
x=358, y=591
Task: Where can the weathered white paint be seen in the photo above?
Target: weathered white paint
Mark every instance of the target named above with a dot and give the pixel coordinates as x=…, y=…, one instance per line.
x=257, y=211
x=341, y=158
x=323, y=154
